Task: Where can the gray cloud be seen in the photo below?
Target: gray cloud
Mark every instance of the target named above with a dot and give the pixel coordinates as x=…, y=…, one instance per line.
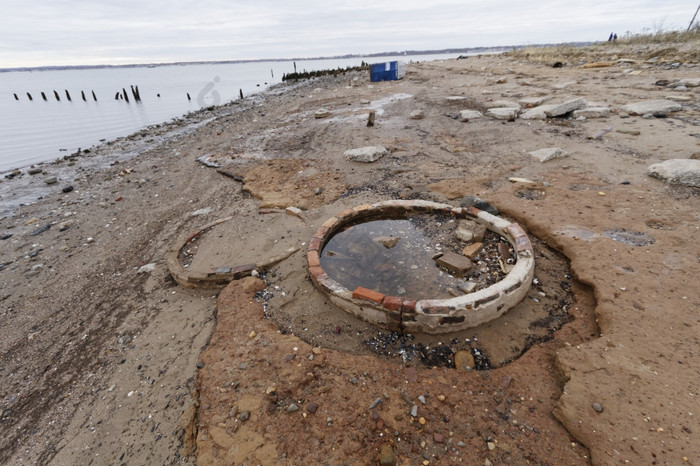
x=60, y=32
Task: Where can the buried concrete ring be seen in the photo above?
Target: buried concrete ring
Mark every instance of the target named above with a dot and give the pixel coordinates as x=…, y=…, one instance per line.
x=218, y=277
x=432, y=316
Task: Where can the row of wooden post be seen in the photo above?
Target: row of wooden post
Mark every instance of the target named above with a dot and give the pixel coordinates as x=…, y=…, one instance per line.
x=119, y=95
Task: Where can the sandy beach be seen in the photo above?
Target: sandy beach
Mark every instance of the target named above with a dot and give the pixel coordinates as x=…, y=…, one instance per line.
x=107, y=359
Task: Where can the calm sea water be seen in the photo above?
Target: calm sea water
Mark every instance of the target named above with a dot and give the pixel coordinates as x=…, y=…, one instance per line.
x=33, y=131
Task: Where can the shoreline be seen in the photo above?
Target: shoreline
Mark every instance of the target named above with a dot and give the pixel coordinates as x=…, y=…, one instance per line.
x=106, y=358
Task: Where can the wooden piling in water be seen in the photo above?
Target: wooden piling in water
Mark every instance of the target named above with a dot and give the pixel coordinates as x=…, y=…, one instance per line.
x=126, y=96
x=188, y=96
x=295, y=67
x=240, y=92
x=56, y=95
x=43, y=96
x=94, y=96
x=116, y=96
x=135, y=93
x=16, y=98
x=30, y=96
x=68, y=95
x=272, y=73
x=82, y=94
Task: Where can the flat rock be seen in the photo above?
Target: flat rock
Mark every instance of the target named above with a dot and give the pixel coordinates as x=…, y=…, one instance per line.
x=455, y=98
x=652, y=106
x=537, y=113
x=544, y=155
x=366, y=154
x=417, y=115
x=322, y=113
x=387, y=241
x=566, y=107
x=455, y=263
x=592, y=112
x=677, y=171
x=466, y=115
x=505, y=113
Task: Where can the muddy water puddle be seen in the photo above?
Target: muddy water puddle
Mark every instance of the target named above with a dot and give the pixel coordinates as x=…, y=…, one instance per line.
x=397, y=257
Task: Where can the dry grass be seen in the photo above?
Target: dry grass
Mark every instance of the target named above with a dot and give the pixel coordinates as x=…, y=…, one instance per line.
x=667, y=47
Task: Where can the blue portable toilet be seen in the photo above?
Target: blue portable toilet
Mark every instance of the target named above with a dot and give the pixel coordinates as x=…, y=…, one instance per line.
x=387, y=71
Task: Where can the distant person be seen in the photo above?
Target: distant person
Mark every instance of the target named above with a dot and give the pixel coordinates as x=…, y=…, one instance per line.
x=611, y=37
x=615, y=38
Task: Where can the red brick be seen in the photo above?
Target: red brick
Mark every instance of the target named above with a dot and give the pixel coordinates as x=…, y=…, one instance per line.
x=369, y=295
x=313, y=259
x=409, y=305
x=472, y=250
x=315, y=244
x=330, y=223
x=317, y=273
x=362, y=207
x=321, y=232
x=515, y=230
x=393, y=303
x=522, y=243
x=473, y=211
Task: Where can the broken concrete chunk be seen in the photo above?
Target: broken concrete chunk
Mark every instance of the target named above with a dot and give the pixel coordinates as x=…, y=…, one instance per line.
x=652, y=106
x=506, y=113
x=537, y=113
x=544, y=155
x=466, y=115
x=457, y=264
x=592, y=112
x=469, y=230
x=677, y=171
x=366, y=154
x=566, y=107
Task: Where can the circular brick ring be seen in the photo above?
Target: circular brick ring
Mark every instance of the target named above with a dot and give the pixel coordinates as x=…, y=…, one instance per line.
x=427, y=315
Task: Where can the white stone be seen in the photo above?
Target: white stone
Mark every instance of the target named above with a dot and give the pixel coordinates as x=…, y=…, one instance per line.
x=147, y=268
x=204, y=211
x=537, y=113
x=455, y=98
x=509, y=114
x=652, y=106
x=679, y=171
x=366, y=154
x=592, y=112
x=566, y=107
x=466, y=115
x=417, y=115
x=544, y=155
x=321, y=113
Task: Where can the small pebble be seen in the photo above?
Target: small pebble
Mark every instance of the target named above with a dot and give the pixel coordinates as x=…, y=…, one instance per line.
x=421, y=398
x=200, y=365
x=292, y=408
x=312, y=407
x=245, y=415
x=598, y=407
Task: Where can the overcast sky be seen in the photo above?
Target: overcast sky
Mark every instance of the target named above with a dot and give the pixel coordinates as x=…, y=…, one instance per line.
x=90, y=32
